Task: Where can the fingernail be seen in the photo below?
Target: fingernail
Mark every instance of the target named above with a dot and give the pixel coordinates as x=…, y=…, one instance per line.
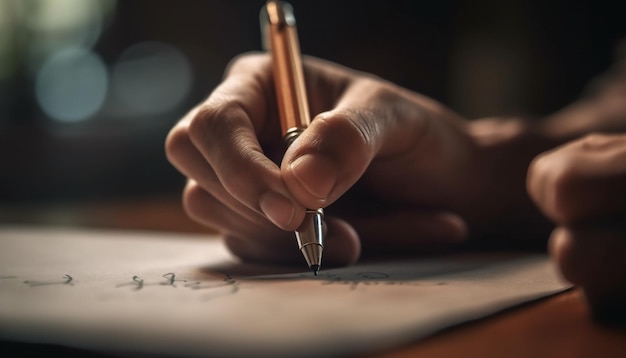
x=277, y=208
x=315, y=173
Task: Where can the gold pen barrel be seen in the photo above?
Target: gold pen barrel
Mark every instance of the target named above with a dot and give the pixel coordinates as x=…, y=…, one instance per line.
x=282, y=38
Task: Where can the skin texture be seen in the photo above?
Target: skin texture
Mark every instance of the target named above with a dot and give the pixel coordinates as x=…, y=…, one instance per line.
x=400, y=173
x=582, y=187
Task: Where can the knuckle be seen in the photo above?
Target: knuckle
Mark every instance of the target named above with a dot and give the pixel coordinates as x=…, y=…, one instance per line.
x=380, y=91
x=609, y=148
x=177, y=142
x=214, y=122
x=562, y=207
x=350, y=128
x=552, y=181
x=594, y=141
x=387, y=121
x=534, y=178
x=246, y=61
x=203, y=122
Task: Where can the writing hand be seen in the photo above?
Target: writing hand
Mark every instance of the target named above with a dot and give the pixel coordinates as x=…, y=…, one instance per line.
x=401, y=171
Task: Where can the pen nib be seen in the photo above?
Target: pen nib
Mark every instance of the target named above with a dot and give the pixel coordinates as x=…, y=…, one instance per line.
x=315, y=269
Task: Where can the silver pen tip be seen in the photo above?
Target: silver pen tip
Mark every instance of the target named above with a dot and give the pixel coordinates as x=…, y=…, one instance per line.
x=310, y=238
x=312, y=254
x=315, y=269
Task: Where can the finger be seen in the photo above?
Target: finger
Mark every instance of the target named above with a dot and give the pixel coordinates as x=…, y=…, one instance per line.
x=263, y=242
x=224, y=130
x=205, y=209
x=188, y=160
x=581, y=181
x=596, y=261
x=371, y=119
x=341, y=246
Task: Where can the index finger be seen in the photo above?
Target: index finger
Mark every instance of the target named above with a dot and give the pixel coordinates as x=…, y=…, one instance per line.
x=225, y=131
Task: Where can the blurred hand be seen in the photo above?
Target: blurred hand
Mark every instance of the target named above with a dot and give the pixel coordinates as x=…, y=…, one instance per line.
x=581, y=186
x=401, y=171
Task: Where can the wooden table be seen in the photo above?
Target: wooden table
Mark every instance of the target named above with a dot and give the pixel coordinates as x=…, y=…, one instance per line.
x=559, y=326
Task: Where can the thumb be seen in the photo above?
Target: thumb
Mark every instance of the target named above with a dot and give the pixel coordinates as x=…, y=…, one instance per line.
x=372, y=119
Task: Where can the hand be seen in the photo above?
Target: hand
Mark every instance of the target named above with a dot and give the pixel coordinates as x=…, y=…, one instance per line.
x=582, y=187
x=400, y=170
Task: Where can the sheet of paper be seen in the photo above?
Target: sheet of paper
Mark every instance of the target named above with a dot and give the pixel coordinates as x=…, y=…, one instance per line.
x=183, y=295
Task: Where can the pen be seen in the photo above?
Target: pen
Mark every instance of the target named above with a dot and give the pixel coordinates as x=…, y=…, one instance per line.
x=278, y=25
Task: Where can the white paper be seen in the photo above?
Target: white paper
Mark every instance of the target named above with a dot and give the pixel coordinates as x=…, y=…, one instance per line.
x=180, y=294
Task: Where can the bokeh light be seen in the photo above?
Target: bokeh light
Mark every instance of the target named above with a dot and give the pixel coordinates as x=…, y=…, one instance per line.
x=8, y=61
x=72, y=85
x=150, y=78
x=59, y=24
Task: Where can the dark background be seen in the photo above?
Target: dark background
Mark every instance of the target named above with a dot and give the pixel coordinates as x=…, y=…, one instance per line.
x=481, y=58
